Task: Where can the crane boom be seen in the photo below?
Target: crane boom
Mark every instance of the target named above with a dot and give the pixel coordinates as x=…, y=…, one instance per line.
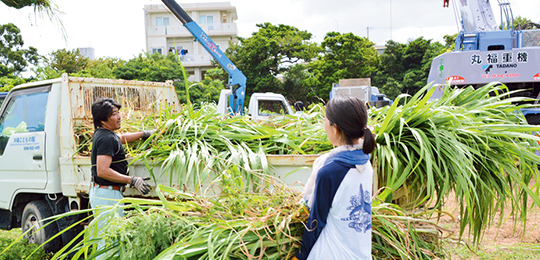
x=237, y=79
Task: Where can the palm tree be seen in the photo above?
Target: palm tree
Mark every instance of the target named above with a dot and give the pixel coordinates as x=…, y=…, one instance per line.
x=47, y=7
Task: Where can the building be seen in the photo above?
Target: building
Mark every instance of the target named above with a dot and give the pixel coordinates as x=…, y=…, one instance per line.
x=165, y=33
x=88, y=52
x=380, y=48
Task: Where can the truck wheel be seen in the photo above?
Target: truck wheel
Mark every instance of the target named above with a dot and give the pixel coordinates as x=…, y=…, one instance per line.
x=34, y=213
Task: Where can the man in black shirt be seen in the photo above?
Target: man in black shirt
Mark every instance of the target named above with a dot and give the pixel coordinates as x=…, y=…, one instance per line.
x=109, y=164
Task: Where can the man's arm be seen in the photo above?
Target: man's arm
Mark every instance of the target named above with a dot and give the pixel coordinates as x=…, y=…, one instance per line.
x=130, y=137
x=103, y=168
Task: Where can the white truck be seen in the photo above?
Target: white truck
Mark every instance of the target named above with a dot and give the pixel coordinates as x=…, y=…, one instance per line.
x=41, y=173
x=361, y=88
x=261, y=105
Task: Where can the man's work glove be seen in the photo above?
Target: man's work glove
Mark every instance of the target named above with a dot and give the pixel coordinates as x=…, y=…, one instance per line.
x=140, y=184
x=147, y=133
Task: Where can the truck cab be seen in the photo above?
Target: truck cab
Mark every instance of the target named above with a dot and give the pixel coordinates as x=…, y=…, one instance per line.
x=361, y=88
x=486, y=52
x=261, y=105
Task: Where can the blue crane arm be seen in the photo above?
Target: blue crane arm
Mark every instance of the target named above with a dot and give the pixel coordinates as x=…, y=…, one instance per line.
x=237, y=80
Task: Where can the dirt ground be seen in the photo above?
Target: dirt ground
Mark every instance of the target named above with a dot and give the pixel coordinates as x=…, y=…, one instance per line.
x=508, y=235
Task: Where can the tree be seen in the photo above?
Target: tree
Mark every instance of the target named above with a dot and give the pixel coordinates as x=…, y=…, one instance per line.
x=13, y=58
x=268, y=52
x=18, y=4
x=69, y=61
x=404, y=67
x=151, y=67
x=43, y=7
x=160, y=68
x=299, y=84
x=522, y=23
x=346, y=56
x=450, y=41
x=205, y=91
x=101, y=68
x=74, y=63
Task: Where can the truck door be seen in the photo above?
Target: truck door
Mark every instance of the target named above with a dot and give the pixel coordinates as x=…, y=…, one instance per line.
x=22, y=142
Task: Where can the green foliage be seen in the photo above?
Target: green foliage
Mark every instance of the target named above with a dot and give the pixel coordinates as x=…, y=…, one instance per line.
x=405, y=67
x=391, y=87
x=346, y=56
x=10, y=81
x=151, y=67
x=13, y=58
x=475, y=143
x=69, y=61
x=205, y=91
x=269, y=52
x=471, y=142
x=160, y=229
x=77, y=65
x=20, y=250
x=206, y=136
x=101, y=68
x=300, y=84
x=46, y=72
x=450, y=41
x=522, y=23
x=23, y=3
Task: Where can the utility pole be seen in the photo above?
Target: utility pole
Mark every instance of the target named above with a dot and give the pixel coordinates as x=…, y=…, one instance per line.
x=390, y=19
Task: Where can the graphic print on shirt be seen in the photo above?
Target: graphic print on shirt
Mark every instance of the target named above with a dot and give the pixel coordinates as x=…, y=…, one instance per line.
x=360, y=215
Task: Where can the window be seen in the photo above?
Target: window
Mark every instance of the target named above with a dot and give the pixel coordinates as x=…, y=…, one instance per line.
x=157, y=50
x=162, y=21
x=24, y=113
x=271, y=108
x=208, y=20
x=178, y=50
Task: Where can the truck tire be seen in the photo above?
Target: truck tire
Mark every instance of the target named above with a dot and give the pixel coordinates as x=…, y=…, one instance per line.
x=34, y=213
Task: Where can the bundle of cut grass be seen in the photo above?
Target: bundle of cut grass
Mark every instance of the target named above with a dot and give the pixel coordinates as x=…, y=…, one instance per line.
x=197, y=146
x=474, y=142
x=238, y=225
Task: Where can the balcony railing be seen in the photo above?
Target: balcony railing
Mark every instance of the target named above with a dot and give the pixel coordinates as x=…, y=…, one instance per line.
x=210, y=29
x=196, y=60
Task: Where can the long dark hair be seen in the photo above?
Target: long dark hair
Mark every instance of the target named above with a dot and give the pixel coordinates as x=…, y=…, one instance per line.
x=349, y=114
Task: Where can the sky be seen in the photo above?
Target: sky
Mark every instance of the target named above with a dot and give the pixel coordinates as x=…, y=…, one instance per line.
x=115, y=28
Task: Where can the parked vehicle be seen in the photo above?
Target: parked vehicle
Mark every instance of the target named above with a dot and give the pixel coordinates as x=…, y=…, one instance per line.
x=261, y=105
x=486, y=52
x=362, y=89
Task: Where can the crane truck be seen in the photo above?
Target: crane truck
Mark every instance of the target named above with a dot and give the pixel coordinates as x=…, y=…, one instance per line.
x=486, y=52
x=262, y=105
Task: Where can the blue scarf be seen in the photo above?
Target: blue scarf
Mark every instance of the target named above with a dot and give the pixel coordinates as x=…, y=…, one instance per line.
x=355, y=157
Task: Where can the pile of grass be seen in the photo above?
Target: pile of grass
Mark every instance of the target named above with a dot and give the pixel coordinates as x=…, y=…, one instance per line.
x=236, y=224
x=473, y=142
x=20, y=248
